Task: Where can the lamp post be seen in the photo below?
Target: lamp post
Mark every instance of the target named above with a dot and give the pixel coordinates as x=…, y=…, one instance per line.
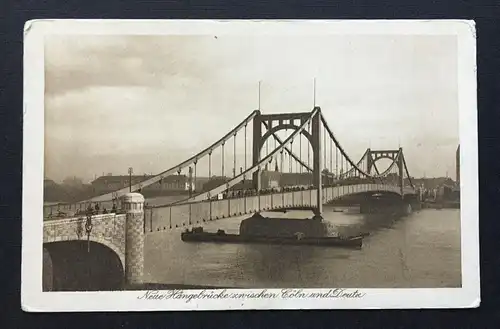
x=130, y=171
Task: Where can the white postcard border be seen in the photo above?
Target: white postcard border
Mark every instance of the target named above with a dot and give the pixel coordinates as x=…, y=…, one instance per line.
x=32, y=297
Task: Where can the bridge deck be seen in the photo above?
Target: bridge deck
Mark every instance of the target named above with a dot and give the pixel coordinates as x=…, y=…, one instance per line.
x=178, y=215
x=62, y=211
x=109, y=229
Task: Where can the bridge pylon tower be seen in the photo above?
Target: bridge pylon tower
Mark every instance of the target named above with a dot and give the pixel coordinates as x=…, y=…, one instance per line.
x=401, y=171
x=395, y=155
x=290, y=121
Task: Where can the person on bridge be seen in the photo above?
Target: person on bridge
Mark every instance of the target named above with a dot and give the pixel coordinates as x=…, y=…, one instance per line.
x=96, y=208
x=113, y=209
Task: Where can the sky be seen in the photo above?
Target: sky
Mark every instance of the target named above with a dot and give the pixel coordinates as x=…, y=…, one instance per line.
x=150, y=102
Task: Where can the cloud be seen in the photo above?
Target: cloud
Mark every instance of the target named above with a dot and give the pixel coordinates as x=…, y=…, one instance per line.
x=92, y=61
x=152, y=101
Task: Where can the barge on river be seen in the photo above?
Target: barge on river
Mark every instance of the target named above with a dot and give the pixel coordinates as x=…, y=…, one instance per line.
x=198, y=235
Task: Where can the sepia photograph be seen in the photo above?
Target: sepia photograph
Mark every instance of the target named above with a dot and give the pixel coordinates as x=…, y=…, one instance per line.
x=249, y=164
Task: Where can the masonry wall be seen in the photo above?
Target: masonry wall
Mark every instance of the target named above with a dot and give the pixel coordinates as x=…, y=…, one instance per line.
x=108, y=230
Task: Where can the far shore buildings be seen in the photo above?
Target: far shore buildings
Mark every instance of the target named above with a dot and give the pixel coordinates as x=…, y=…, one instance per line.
x=47, y=182
x=168, y=185
x=109, y=183
x=181, y=183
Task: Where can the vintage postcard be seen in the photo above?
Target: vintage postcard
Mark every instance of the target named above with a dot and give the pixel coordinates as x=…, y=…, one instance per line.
x=220, y=165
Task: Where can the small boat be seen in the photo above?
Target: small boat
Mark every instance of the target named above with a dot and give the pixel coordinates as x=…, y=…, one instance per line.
x=198, y=235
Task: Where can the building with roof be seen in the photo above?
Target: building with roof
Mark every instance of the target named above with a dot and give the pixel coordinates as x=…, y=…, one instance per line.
x=270, y=179
x=296, y=179
x=109, y=183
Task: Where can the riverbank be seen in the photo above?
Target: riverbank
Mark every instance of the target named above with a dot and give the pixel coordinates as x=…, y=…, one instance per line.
x=441, y=205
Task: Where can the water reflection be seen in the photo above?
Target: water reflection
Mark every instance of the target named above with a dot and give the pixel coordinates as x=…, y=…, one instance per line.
x=420, y=250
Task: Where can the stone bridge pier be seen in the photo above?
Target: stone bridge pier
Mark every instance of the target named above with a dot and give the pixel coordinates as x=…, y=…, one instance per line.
x=110, y=258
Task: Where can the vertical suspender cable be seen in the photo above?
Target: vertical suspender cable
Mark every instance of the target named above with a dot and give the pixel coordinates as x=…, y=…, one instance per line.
x=281, y=161
x=267, y=153
x=277, y=156
x=170, y=216
x=234, y=155
x=324, y=148
x=300, y=151
x=347, y=167
x=291, y=159
x=223, y=159
x=336, y=162
x=308, y=148
x=195, y=163
x=210, y=164
x=190, y=193
x=244, y=178
x=245, y=146
x=331, y=155
x=282, y=187
x=341, y=165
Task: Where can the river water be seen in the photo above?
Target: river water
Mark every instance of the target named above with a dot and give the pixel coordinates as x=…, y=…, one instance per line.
x=421, y=250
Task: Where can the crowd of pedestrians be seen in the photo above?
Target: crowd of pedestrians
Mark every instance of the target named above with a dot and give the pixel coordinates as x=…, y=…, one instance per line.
x=96, y=210
x=234, y=194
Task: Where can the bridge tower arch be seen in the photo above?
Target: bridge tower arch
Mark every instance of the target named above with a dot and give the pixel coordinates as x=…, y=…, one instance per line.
x=276, y=122
x=395, y=155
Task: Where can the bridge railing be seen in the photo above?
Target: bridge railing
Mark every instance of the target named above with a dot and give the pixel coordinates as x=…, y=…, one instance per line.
x=196, y=213
x=165, y=217
x=180, y=215
x=66, y=210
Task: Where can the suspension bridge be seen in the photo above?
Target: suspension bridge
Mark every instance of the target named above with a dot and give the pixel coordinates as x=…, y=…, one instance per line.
x=285, y=161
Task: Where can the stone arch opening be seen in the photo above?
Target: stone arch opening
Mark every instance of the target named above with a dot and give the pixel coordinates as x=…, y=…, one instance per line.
x=72, y=266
